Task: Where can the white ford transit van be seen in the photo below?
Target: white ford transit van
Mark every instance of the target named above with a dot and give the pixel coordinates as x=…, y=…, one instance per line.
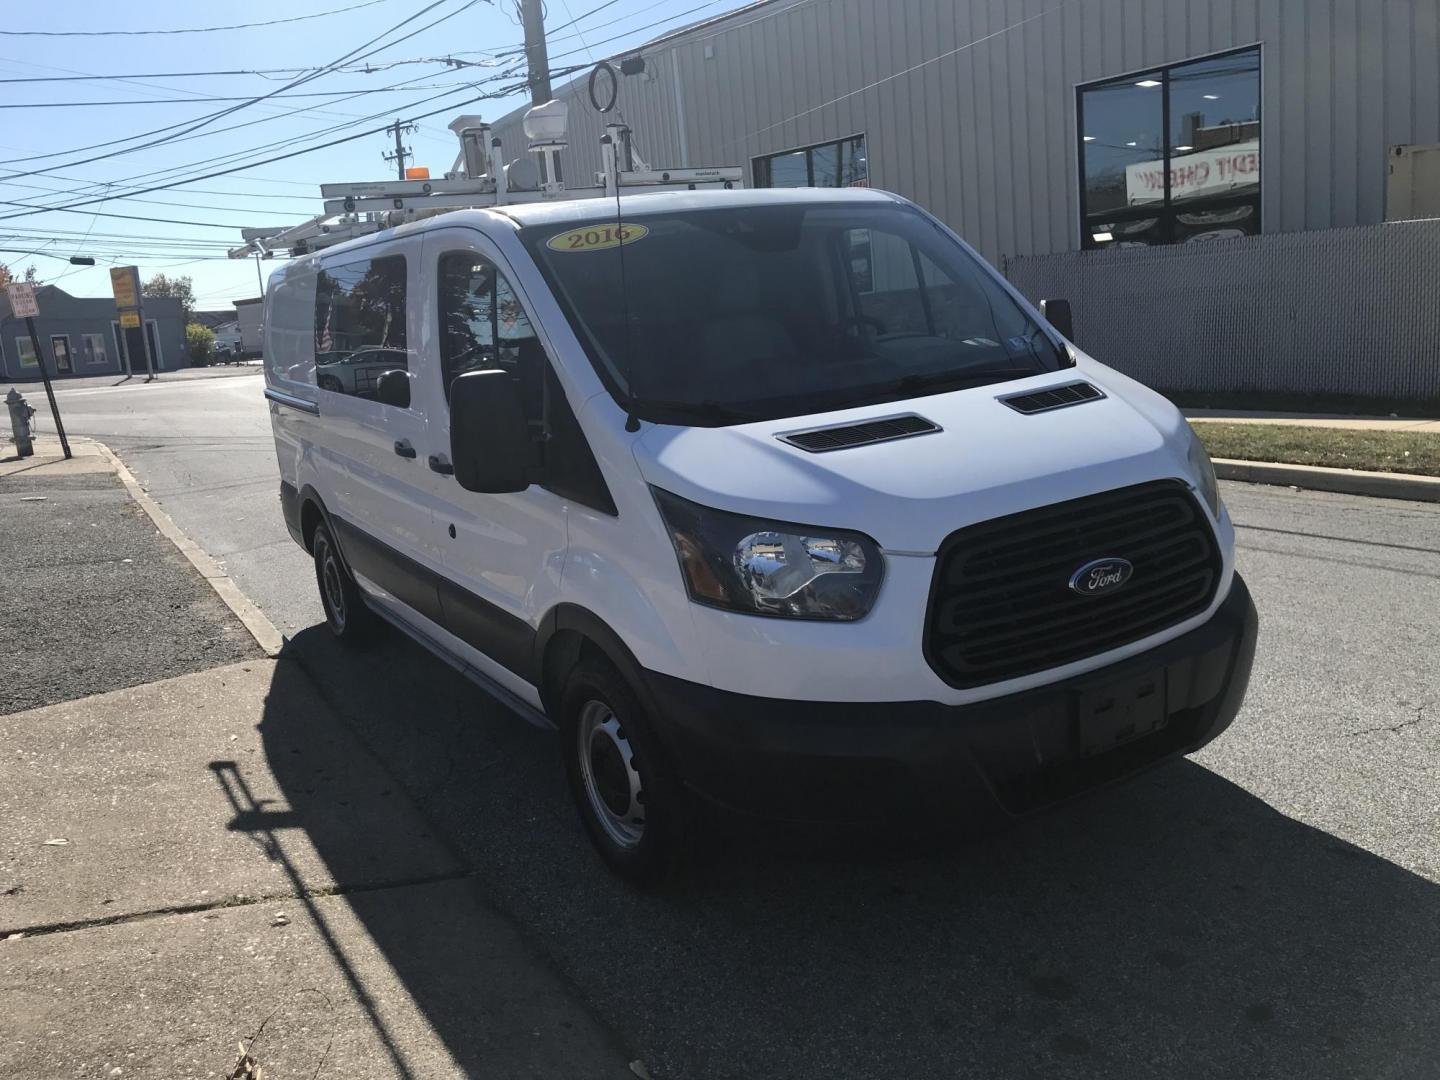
x=783, y=501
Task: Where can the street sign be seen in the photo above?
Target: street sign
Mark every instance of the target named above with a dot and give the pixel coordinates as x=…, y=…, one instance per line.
x=130, y=320
x=22, y=301
x=125, y=282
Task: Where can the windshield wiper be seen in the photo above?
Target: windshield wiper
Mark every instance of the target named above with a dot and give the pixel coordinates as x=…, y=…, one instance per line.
x=702, y=410
x=912, y=384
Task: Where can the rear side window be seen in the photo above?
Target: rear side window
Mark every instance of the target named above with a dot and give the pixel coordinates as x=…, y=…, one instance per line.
x=360, y=330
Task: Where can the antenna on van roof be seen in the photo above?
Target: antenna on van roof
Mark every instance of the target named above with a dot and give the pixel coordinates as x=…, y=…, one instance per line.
x=608, y=151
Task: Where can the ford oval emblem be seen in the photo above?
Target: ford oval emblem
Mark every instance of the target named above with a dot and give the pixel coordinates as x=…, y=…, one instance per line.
x=1101, y=576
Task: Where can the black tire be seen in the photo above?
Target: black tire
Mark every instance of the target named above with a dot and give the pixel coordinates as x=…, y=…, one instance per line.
x=651, y=851
x=346, y=613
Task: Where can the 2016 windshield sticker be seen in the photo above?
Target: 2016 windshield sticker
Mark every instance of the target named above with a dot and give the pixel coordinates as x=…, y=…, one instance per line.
x=597, y=237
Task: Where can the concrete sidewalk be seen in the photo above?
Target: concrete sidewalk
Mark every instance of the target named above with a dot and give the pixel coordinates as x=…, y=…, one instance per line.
x=192, y=862
x=1328, y=420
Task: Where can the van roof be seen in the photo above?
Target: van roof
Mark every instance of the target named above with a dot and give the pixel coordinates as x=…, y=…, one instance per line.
x=644, y=204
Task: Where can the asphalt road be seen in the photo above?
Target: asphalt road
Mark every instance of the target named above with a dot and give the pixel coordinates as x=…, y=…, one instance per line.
x=1269, y=908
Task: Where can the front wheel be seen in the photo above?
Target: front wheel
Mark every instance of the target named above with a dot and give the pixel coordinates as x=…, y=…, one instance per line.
x=345, y=611
x=630, y=802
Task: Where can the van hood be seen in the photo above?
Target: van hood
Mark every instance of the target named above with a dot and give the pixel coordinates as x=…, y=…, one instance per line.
x=988, y=460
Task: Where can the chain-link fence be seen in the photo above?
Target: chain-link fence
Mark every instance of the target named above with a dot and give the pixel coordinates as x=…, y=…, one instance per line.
x=1352, y=312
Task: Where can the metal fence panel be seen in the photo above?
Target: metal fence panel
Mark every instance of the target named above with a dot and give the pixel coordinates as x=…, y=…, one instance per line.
x=1342, y=311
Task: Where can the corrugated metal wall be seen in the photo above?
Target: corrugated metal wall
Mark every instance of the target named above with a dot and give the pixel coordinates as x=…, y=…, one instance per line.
x=981, y=127
x=1343, y=311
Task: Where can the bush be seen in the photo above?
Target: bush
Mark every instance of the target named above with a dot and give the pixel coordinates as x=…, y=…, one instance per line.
x=199, y=343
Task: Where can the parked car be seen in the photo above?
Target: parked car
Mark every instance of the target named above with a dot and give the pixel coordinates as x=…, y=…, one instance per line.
x=356, y=372
x=780, y=501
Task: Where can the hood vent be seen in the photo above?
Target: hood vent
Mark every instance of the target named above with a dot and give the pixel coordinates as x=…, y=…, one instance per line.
x=1053, y=397
x=843, y=437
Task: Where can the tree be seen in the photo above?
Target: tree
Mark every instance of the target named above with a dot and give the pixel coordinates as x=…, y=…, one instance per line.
x=199, y=342
x=180, y=288
x=7, y=276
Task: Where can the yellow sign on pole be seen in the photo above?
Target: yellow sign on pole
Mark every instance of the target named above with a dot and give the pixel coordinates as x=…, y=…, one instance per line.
x=130, y=320
x=125, y=281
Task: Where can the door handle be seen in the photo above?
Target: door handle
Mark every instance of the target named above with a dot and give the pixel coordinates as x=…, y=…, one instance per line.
x=404, y=449
x=444, y=468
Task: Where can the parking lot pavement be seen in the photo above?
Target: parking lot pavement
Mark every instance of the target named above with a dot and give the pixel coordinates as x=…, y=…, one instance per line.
x=163, y=892
x=1268, y=909
x=94, y=598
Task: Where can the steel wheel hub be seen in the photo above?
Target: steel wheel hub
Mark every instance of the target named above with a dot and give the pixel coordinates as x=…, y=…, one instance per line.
x=333, y=585
x=612, y=783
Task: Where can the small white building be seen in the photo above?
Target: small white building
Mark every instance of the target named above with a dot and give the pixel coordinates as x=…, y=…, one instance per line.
x=250, y=324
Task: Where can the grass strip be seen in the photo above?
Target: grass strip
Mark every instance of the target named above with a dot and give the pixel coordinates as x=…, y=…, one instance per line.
x=1336, y=448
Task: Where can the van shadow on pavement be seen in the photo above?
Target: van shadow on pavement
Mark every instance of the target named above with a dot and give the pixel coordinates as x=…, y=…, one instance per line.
x=1174, y=926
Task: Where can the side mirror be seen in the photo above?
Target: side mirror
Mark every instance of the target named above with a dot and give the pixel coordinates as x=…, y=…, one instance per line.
x=394, y=389
x=1057, y=314
x=489, y=439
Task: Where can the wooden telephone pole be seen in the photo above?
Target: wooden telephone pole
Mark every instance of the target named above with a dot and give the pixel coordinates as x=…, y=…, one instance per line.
x=535, y=54
x=402, y=152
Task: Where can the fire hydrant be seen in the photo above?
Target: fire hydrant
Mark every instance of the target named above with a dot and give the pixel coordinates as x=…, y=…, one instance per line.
x=20, y=414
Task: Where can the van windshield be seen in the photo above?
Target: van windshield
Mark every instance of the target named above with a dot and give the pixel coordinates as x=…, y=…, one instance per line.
x=754, y=313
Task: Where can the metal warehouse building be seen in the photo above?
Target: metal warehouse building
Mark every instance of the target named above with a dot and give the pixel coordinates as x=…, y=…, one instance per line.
x=1087, y=146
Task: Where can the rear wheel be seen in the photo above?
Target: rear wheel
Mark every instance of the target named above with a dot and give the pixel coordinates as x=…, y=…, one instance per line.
x=629, y=799
x=345, y=611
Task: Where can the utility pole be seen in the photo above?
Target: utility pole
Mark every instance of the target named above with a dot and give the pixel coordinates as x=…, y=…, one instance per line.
x=533, y=16
x=398, y=129
x=49, y=390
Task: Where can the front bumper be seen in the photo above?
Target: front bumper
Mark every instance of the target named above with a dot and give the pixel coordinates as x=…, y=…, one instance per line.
x=874, y=762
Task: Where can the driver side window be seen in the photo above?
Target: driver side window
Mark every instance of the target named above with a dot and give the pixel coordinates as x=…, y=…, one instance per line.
x=484, y=327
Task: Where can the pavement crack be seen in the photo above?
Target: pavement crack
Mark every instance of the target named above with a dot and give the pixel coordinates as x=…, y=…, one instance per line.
x=1393, y=729
x=234, y=901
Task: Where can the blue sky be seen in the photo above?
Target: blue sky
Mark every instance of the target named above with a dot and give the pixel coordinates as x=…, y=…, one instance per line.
x=284, y=192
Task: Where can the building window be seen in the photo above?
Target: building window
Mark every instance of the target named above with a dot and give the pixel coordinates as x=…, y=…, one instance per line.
x=26, y=351
x=91, y=350
x=834, y=164
x=1171, y=155
x=360, y=327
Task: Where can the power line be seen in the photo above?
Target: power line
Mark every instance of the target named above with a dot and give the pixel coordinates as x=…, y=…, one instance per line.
x=310, y=76
x=50, y=171
x=137, y=80
x=271, y=160
x=168, y=173
x=127, y=217
x=160, y=202
x=641, y=29
x=907, y=71
x=192, y=100
x=188, y=30
x=150, y=75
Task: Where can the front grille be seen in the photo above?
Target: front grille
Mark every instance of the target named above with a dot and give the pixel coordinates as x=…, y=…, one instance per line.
x=844, y=436
x=1001, y=605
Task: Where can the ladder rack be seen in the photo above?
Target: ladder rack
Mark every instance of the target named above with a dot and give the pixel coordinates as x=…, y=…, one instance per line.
x=481, y=179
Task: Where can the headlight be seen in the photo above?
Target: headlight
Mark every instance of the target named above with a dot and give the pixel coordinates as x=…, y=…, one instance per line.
x=771, y=568
x=1203, y=471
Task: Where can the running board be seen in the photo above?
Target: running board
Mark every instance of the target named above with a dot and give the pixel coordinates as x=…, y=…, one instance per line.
x=502, y=694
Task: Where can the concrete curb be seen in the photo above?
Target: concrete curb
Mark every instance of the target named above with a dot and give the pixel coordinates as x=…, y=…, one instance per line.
x=1344, y=481
x=251, y=617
